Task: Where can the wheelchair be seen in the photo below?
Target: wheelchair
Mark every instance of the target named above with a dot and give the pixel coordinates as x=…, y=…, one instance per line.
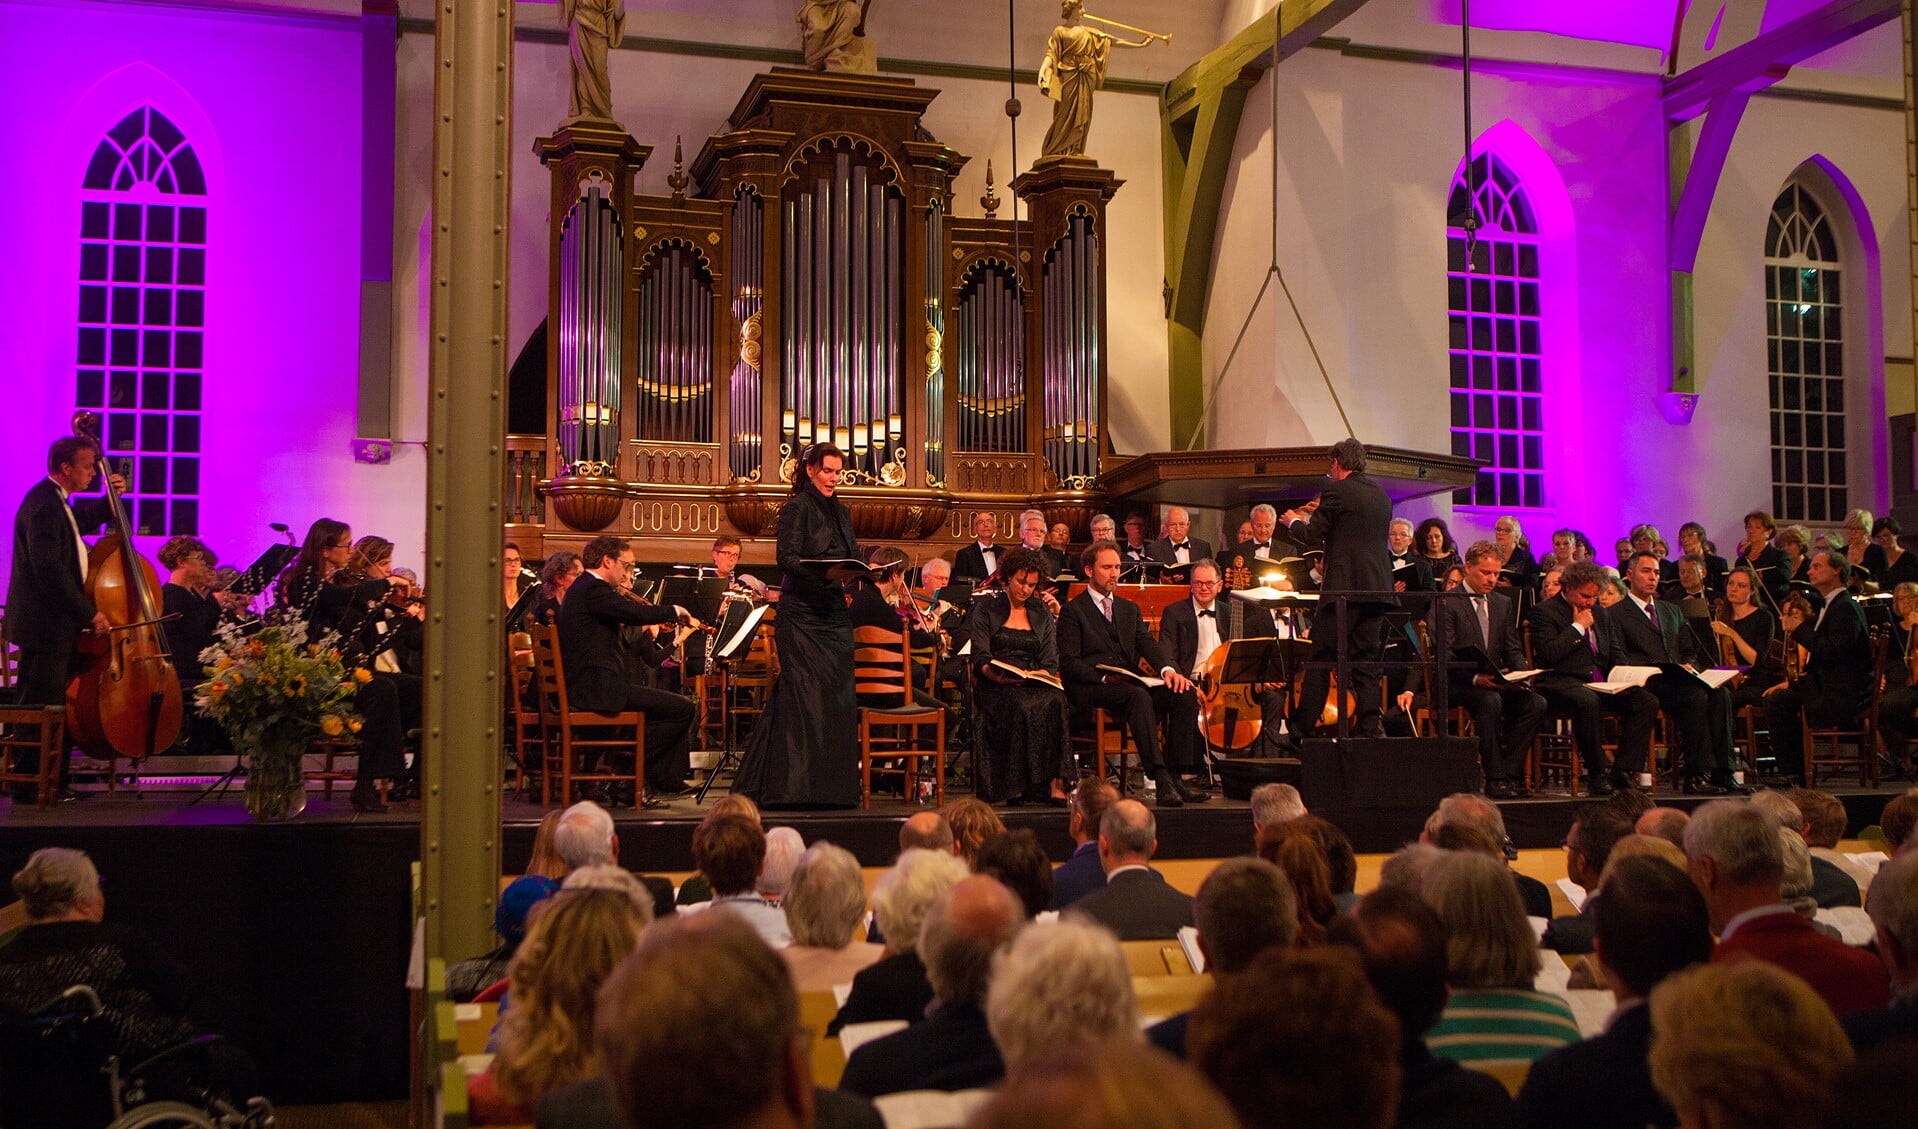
x=58, y=1071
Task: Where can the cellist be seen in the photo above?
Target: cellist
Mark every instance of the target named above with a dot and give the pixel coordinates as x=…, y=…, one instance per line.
x=47, y=604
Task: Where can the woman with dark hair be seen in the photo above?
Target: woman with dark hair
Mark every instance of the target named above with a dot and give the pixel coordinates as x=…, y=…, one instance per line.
x=1901, y=567
x=311, y=590
x=805, y=750
x=1024, y=752
x=1433, y=541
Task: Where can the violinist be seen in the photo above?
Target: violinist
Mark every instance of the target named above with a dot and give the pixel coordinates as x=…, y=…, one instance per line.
x=188, y=602
x=1023, y=752
x=1751, y=633
x=597, y=678
x=320, y=589
x=1898, y=702
x=562, y=567
x=885, y=601
x=47, y=605
x=1836, y=685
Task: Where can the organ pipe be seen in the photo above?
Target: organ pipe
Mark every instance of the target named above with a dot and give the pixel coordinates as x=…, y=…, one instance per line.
x=1071, y=355
x=675, y=349
x=590, y=301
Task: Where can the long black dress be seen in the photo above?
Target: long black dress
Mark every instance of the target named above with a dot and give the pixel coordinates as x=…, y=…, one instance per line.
x=805, y=750
x=1023, y=745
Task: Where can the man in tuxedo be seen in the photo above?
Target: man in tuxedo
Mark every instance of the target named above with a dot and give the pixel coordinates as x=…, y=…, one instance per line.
x=1190, y=630
x=1133, y=549
x=1178, y=548
x=1136, y=903
x=1575, y=642
x=1507, y=717
x=1263, y=545
x=1099, y=627
x=597, y=678
x=1648, y=923
x=1349, y=520
x=1836, y=685
x=47, y=605
x=1411, y=572
x=1034, y=534
x=980, y=559
x=1653, y=631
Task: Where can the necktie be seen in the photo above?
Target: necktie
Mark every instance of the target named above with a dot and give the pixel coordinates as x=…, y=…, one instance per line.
x=1484, y=618
x=1105, y=607
x=1591, y=640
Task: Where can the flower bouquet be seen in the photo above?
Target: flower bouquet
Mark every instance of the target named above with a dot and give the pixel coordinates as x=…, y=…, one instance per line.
x=274, y=692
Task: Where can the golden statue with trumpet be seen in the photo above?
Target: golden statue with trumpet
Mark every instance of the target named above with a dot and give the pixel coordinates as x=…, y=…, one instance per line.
x=1073, y=71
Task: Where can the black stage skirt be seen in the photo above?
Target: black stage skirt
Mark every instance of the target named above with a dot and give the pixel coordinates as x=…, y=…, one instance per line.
x=805, y=750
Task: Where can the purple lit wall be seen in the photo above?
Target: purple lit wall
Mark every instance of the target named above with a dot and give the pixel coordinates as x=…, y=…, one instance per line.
x=1640, y=23
x=271, y=106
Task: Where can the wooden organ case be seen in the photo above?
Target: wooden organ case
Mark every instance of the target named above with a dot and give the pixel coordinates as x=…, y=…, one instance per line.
x=807, y=280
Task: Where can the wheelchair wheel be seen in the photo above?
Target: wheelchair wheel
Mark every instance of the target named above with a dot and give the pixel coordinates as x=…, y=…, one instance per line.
x=164, y=1115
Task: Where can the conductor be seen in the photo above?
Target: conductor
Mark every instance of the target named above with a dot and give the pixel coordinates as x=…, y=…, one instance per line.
x=1350, y=520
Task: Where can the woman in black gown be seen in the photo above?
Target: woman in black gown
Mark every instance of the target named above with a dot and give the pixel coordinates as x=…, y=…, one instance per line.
x=1023, y=751
x=1751, y=632
x=805, y=750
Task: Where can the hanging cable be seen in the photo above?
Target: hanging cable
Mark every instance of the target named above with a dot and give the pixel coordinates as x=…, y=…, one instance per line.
x=1470, y=223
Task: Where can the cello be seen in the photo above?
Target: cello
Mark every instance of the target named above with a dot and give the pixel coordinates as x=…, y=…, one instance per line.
x=126, y=699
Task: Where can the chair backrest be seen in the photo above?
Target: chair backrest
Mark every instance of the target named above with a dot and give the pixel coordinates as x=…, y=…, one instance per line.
x=549, y=675
x=879, y=663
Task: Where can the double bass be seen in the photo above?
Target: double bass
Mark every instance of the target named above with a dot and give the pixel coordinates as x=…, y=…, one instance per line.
x=126, y=700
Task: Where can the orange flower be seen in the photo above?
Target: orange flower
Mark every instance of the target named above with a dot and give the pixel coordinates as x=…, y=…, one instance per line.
x=362, y=675
x=331, y=725
x=353, y=726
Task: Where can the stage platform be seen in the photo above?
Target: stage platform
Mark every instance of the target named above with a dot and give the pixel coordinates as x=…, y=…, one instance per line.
x=297, y=934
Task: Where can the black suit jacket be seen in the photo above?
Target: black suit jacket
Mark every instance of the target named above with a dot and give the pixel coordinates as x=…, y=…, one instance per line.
x=1138, y=905
x=1461, y=626
x=950, y=1049
x=1179, y=629
x=1559, y=648
x=1416, y=572
x=1087, y=640
x=1197, y=549
x=893, y=988
x=1838, y=675
x=589, y=643
x=1641, y=644
x=1604, y=1082
x=46, y=603
x=1351, y=524
x=591, y=1105
x=970, y=564
x=1437, y=1093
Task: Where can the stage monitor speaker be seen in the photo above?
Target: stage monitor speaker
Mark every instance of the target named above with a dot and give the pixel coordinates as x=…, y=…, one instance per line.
x=1409, y=774
x=1239, y=775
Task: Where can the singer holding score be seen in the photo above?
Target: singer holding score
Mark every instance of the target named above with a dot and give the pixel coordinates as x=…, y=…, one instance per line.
x=805, y=750
x=1023, y=752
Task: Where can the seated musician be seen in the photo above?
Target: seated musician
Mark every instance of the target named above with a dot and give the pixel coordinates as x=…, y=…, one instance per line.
x=1653, y=631
x=694, y=644
x=562, y=567
x=1750, y=638
x=885, y=602
x=1898, y=704
x=1507, y=717
x=1575, y=642
x=1023, y=752
x=192, y=612
x=517, y=576
x=1694, y=595
x=1099, y=627
x=979, y=560
x=1033, y=533
x=597, y=680
x=1190, y=631
x=1837, y=681
x=949, y=621
x=1900, y=566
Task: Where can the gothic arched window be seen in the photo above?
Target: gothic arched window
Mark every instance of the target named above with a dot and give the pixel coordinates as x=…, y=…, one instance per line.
x=1805, y=360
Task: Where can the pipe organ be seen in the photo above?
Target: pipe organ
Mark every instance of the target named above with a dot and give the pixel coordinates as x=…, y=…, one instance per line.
x=809, y=281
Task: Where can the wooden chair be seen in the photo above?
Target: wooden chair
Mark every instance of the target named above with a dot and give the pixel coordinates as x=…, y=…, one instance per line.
x=565, y=749
x=522, y=718
x=816, y=1010
x=882, y=670
x=1110, y=745
x=1826, y=746
x=330, y=750
x=48, y=739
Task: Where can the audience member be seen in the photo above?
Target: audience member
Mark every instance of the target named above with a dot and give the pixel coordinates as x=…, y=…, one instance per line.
x=1631, y=801
x=1341, y=862
x=1898, y=820
x=1825, y=824
x=1474, y=810
x=702, y=998
x=1405, y=868
x=1588, y=844
x=1649, y=922
x=572, y=945
x=1893, y=906
x=617, y=879
x=824, y=907
x=1275, y=803
x=1017, y=860
x=951, y=1048
x=1293, y=847
x=927, y=830
x=697, y=889
x=1111, y=1085
x=1733, y=851
x=545, y=861
x=783, y=848
x=1491, y=955
x=973, y=822
x=1136, y=903
x=1875, y=1089
x=1401, y=944
x=1643, y=846
x=1744, y=1044
x=467, y=978
x=1665, y=823
x=585, y=837
x=1301, y=1041
x=1244, y=907
x=1829, y=886
x=1082, y=873
x=730, y=851
x=1060, y=984
x=895, y=986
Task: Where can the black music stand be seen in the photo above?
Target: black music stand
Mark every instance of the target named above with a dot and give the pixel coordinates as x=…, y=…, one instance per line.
x=735, y=639
x=698, y=595
x=256, y=576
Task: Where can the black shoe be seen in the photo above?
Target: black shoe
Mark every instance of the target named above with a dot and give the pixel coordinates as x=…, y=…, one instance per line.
x=1191, y=792
x=1730, y=784
x=1623, y=781
x=366, y=798
x=1500, y=790
x=1598, y=786
x=1370, y=728
x=1167, y=795
x=1701, y=786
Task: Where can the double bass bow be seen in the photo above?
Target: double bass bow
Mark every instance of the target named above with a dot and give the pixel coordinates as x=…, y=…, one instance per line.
x=126, y=700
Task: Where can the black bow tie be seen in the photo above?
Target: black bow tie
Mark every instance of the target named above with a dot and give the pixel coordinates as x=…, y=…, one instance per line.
x=1208, y=612
x=1176, y=545
x=1261, y=544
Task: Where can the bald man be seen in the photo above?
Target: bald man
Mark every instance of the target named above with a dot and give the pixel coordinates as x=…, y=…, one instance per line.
x=1178, y=548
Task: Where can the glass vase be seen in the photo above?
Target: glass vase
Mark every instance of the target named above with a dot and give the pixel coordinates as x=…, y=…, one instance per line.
x=276, y=781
